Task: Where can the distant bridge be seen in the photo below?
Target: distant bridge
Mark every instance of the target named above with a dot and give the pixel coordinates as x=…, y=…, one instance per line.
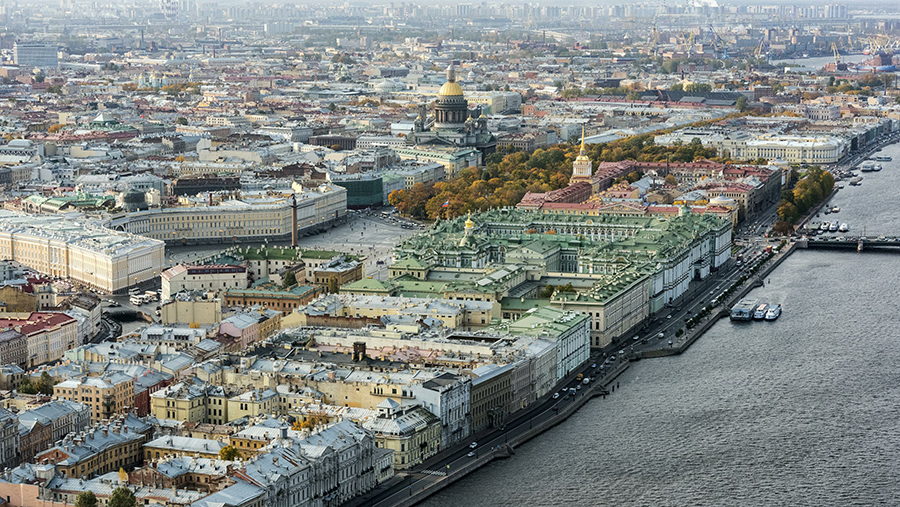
x=861, y=244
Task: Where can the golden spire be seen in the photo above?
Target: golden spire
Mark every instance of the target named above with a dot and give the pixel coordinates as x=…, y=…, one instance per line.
x=582, y=139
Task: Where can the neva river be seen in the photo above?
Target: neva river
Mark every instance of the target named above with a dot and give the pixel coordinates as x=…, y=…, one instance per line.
x=804, y=411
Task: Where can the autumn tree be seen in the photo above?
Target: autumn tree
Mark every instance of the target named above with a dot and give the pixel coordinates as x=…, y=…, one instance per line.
x=229, y=453
x=333, y=285
x=311, y=421
x=671, y=180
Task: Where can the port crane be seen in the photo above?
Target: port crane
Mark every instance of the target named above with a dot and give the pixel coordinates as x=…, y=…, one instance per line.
x=718, y=43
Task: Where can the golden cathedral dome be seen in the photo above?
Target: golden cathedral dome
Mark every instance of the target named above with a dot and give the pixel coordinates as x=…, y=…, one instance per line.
x=451, y=89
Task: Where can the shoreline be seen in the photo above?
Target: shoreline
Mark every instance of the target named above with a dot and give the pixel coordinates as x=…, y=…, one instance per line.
x=591, y=391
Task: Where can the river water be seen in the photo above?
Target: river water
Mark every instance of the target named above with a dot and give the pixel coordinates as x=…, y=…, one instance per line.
x=803, y=411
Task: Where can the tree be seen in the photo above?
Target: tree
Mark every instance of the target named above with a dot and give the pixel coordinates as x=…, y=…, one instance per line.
x=333, y=285
x=671, y=180
x=289, y=279
x=697, y=88
x=741, y=103
x=227, y=453
x=181, y=120
x=783, y=228
x=55, y=128
x=312, y=420
x=39, y=78
x=86, y=499
x=45, y=384
x=548, y=291
x=26, y=387
x=121, y=497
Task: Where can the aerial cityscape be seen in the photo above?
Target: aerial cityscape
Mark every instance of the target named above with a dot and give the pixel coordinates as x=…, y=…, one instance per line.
x=262, y=254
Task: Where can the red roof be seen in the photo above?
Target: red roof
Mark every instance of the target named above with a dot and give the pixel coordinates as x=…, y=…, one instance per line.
x=37, y=322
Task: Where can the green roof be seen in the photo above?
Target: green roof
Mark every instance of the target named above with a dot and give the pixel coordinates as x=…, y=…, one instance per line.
x=520, y=304
x=369, y=285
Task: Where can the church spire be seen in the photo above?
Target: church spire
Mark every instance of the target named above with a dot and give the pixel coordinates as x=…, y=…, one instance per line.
x=582, y=139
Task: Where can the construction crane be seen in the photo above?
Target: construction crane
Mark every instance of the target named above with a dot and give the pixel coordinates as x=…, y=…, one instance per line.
x=837, y=55
x=718, y=43
x=762, y=48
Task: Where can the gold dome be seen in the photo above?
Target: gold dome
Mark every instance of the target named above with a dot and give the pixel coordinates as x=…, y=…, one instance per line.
x=451, y=89
x=469, y=223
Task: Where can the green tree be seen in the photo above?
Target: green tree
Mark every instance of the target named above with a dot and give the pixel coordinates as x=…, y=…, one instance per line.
x=227, y=453
x=697, y=88
x=289, y=279
x=86, y=499
x=27, y=387
x=121, y=497
x=39, y=78
x=181, y=120
x=548, y=291
x=741, y=103
x=45, y=384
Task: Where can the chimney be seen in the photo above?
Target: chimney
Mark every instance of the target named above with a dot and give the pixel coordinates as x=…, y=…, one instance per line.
x=105, y=431
x=210, y=199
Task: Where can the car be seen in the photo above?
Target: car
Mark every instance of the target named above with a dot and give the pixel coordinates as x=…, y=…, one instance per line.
x=660, y=336
x=712, y=292
x=670, y=342
x=578, y=388
x=669, y=316
x=621, y=352
x=636, y=338
x=473, y=445
x=555, y=396
x=471, y=454
x=594, y=365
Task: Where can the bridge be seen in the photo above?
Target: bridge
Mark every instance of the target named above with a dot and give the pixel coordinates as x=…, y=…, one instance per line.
x=859, y=244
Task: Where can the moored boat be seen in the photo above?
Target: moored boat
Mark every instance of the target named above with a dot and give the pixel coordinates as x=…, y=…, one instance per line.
x=760, y=312
x=773, y=312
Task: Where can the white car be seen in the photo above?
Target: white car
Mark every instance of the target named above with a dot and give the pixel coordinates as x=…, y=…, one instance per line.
x=473, y=445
